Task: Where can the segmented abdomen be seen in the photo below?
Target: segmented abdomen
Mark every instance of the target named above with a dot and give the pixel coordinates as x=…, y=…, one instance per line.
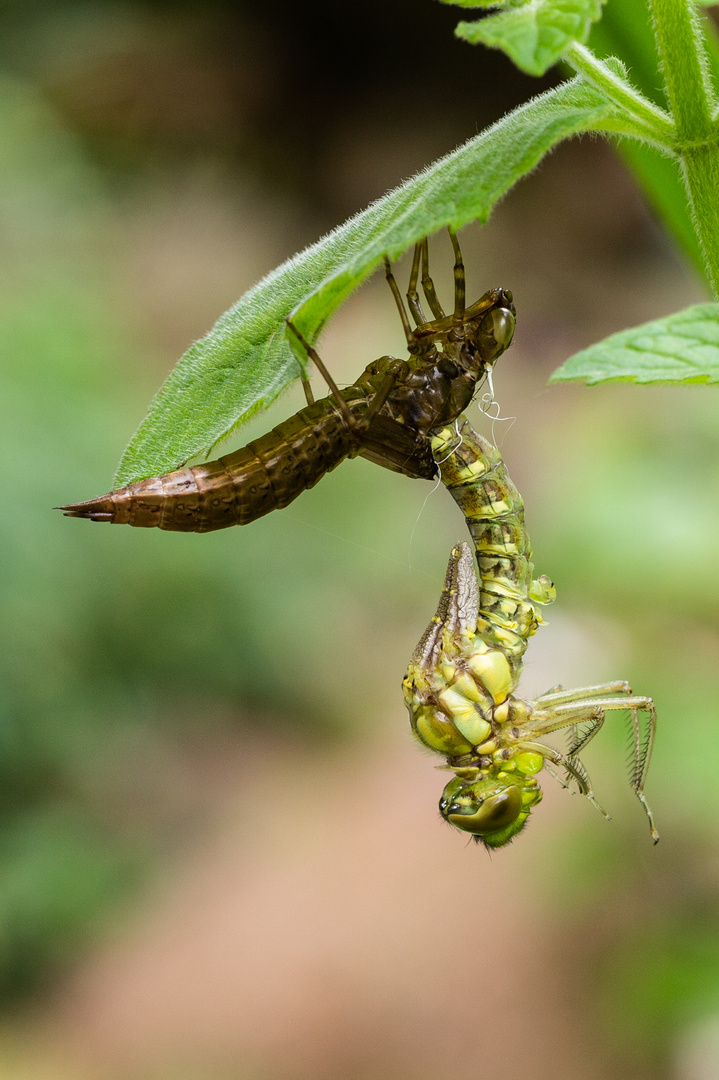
x=265, y=475
x=473, y=472
x=461, y=681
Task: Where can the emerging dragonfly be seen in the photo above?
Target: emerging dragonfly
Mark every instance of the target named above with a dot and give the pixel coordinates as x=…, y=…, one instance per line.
x=385, y=416
x=463, y=674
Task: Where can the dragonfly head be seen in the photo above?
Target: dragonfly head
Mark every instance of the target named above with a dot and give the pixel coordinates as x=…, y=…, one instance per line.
x=493, y=809
x=489, y=327
x=491, y=333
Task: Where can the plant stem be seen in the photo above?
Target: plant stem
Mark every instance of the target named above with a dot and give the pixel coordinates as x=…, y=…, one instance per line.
x=680, y=43
x=700, y=170
x=621, y=92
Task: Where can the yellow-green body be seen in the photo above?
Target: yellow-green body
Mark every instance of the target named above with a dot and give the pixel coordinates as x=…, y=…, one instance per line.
x=461, y=682
x=476, y=477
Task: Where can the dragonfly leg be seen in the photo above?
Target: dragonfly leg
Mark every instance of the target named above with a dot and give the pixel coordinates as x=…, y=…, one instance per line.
x=428, y=285
x=642, y=745
x=413, y=300
x=560, y=696
x=391, y=281
x=560, y=780
x=574, y=769
x=569, y=707
x=320, y=365
x=307, y=387
x=459, y=286
x=396, y=369
x=642, y=755
x=545, y=721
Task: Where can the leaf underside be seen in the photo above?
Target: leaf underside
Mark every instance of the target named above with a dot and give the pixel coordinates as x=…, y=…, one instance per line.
x=681, y=348
x=245, y=361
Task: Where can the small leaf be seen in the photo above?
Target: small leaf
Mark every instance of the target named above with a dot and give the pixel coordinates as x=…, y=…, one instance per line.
x=245, y=361
x=535, y=34
x=681, y=348
x=475, y=3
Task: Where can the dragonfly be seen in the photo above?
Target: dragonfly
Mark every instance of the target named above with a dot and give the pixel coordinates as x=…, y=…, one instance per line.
x=461, y=682
x=385, y=416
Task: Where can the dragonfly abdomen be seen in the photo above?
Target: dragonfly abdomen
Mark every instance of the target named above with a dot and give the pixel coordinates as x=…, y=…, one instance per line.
x=461, y=682
x=476, y=478
x=237, y=488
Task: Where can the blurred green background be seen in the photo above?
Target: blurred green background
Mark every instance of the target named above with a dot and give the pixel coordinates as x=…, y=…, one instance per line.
x=220, y=854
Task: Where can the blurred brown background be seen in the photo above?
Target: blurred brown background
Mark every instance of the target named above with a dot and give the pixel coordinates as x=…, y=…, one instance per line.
x=220, y=853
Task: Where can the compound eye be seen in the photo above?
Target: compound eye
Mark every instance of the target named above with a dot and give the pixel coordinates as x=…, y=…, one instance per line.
x=499, y=324
x=498, y=812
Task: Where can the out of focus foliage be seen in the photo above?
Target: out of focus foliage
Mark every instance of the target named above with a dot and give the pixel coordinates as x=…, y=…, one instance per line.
x=112, y=640
x=120, y=645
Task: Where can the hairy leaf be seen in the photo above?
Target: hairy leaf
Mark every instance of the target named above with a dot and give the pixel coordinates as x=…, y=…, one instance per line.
x=681, y=348
x=534, y=34
x=245, y=361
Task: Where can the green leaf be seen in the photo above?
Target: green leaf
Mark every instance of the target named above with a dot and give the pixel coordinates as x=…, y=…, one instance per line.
x=681, y=348
x=475, y=3
x=245, y=361
x=535, y=34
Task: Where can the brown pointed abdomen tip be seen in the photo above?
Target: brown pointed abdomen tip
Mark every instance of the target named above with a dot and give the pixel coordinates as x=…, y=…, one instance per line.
x=94, y=509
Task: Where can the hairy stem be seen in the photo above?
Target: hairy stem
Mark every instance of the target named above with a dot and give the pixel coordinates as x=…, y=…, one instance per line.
x=680, y=42
x=622, y=93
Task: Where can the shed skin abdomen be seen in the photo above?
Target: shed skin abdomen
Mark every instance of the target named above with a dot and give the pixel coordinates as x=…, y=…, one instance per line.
x=267, y=474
